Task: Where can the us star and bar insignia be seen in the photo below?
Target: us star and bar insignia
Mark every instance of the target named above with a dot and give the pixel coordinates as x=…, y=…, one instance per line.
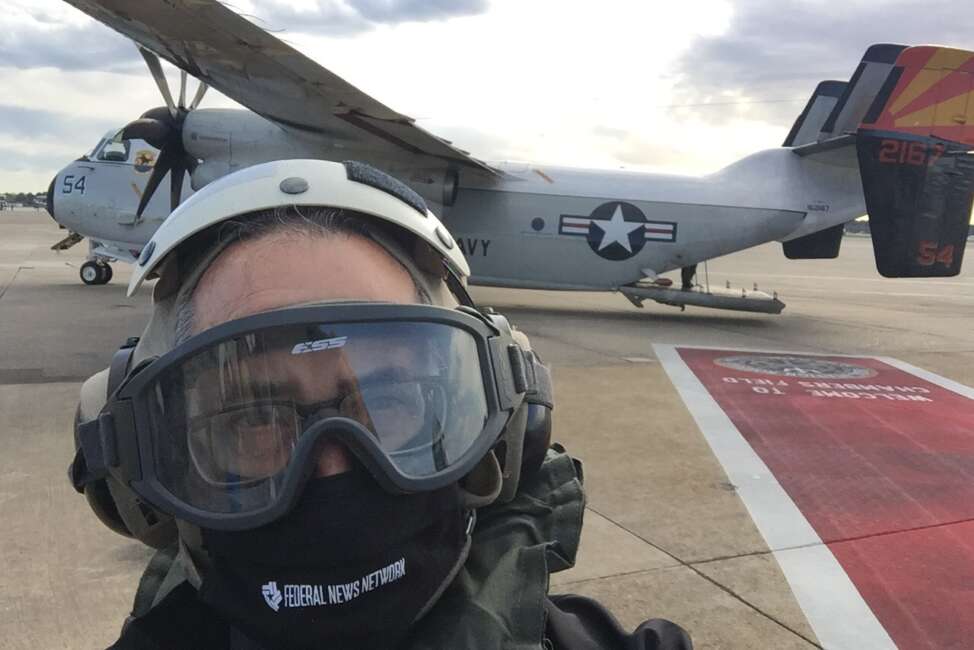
x=617, y=230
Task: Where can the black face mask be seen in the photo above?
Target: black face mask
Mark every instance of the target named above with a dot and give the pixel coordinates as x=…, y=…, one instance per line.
x=352, y=566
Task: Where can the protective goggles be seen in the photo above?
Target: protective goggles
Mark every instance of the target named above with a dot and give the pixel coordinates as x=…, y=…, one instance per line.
x=224, y=430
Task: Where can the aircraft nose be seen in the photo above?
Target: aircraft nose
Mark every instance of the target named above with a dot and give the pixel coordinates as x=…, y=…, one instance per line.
x=50, y=199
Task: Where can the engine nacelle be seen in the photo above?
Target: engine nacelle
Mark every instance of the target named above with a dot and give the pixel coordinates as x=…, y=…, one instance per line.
x=227, y=140
x=207, y=137
x=207, y=172
x=438, y=186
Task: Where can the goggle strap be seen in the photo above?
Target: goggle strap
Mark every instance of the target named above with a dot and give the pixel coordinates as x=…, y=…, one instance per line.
x=530, y=376
x=456, y=287
x=539, y=376
x=121, y=361
x=513, y=439
x=96, y=452
x=518, y=368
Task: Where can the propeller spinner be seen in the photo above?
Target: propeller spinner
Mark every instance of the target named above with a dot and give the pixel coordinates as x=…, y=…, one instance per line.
x=162, y=127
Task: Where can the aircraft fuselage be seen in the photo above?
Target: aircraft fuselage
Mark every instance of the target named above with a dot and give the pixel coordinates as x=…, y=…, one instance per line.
x=535, y=226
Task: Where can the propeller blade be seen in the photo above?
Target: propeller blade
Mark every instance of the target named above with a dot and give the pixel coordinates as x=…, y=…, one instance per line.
x=163, y=164
x=155, y=68
x=176, y=183
x=198, y=97
x=160, y=113
x=155, y=132
x=182, y=89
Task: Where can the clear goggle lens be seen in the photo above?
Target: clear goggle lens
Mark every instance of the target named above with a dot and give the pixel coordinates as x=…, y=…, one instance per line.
x=227, y=420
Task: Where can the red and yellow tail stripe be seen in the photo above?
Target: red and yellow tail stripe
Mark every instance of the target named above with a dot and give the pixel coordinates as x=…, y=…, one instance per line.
x=933, y=97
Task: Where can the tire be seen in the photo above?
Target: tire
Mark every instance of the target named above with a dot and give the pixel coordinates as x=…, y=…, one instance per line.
x=106, y=273
x=90, y=273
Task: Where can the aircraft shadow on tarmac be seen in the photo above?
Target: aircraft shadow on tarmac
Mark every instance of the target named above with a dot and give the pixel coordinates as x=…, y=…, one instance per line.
x=643, y=317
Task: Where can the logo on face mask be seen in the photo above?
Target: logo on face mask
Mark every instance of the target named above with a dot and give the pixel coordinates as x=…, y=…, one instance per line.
x=272, y=595
x=319, y=345
x=295, y=596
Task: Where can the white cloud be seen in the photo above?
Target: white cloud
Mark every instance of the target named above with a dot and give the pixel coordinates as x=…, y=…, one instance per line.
x=552, y=81
x=534, y=78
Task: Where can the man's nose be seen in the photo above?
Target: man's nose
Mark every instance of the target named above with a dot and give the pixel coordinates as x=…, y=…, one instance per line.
x=332, y=458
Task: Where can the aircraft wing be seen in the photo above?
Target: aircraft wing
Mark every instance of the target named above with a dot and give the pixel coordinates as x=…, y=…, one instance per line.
x=268, y=76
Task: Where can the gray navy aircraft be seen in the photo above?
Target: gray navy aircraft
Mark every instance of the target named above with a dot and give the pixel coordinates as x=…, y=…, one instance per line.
x=892, y=141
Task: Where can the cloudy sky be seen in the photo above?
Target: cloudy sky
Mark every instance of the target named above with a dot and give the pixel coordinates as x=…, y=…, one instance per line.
x=615, y=83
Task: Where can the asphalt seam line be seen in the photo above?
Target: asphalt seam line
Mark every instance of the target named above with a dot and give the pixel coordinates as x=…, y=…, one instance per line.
x=701, y=574
x=3, y=291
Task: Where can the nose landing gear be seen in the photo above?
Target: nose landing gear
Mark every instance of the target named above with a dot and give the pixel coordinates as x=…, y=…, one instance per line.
x=93, y=272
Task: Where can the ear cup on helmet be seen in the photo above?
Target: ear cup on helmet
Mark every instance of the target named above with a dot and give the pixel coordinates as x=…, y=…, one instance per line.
x=115, y=505
x=123, y=512
x=523, y=445
x=100, y=500
x=144, y=523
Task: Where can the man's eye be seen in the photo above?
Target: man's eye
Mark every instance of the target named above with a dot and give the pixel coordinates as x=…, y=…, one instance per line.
x=402, y=400
x=387, y=403
x=252, y=418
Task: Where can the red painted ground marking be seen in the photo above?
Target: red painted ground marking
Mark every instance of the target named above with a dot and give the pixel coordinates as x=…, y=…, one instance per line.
x=882, y=467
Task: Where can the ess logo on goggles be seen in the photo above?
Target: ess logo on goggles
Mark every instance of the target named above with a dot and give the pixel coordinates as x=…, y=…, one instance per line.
x=224, y=430
x=317, y=346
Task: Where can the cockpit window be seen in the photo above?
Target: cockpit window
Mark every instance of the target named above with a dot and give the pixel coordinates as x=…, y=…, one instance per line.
x=95, y=149
x=114, y=151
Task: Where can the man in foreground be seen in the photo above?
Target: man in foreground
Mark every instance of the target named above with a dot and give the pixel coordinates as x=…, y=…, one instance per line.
x=331, y=446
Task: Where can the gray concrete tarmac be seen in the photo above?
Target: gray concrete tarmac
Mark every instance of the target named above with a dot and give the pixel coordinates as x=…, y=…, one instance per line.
x=665, y=534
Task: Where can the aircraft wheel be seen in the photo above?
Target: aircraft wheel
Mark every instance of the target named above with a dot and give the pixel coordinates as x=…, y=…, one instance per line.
x=95, y=273
x=91, y=273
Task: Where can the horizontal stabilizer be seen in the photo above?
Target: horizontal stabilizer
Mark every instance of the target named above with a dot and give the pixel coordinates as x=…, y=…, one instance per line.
x=808, y=125
x=825, y=145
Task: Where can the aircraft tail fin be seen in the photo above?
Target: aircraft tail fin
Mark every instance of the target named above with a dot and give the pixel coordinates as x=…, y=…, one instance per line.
x=837, y=107
x=809, y=123
x=914, y=148
x=859, y=94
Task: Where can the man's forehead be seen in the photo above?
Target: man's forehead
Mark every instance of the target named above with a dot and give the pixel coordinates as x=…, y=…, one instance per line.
x=281, y=271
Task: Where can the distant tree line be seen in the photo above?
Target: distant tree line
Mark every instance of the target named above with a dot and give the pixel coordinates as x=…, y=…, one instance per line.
x=862, y=227
x=857, y=227
x=24, y=198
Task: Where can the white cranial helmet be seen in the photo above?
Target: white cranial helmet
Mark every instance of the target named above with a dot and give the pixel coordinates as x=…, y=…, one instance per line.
x=350, y=185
